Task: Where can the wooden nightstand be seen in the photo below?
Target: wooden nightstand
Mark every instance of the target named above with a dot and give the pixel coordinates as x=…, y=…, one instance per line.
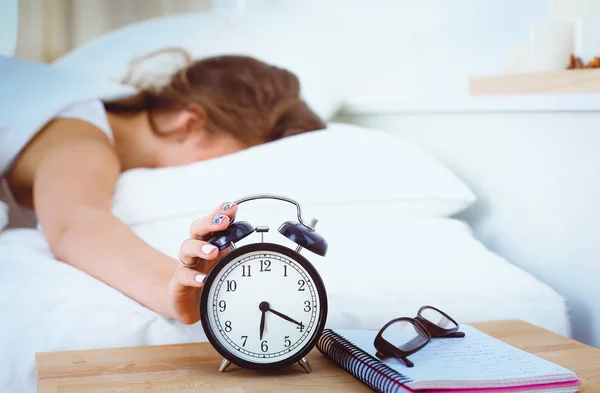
x=194, y=367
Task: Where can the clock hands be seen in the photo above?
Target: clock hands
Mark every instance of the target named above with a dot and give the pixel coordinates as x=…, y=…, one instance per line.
x=284, y=316
x=264, y=307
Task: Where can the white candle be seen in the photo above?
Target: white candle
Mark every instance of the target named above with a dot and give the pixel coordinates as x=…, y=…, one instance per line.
x=587, y=37
x=552, y=43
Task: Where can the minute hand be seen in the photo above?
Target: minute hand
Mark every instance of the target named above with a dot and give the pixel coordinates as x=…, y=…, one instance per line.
x=262, y=324
x=284, y=316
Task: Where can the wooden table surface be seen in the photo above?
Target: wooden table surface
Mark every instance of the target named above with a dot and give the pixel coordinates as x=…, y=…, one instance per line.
x=194, y=367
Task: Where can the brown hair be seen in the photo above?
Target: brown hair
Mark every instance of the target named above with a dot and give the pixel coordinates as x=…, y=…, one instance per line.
x=254, y=101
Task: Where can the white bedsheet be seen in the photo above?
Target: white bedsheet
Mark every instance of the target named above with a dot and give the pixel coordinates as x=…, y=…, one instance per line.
x=46, y=305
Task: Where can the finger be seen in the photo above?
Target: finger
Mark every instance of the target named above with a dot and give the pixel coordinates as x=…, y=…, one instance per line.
x=227, y=208
x=206, y=265
x=184, y=277
x=192, y=249
x=204, y=226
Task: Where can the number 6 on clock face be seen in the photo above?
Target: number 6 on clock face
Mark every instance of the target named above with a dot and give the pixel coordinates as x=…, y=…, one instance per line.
x=264, y=306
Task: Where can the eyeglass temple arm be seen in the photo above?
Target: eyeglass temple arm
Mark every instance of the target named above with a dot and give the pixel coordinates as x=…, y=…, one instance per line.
x=277, y=197
x=404, y=359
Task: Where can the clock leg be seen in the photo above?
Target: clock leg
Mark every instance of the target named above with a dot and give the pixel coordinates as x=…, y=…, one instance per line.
x=224, y=364
x=305, y=365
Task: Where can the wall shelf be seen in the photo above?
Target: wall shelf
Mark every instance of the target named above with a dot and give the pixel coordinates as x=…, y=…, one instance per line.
x=555, y=82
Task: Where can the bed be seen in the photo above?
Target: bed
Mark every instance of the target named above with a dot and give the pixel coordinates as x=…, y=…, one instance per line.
x=397, y=201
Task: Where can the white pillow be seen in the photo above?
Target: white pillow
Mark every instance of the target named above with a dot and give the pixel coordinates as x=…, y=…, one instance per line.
x=3, y=215
x=266, y=35
x=344, y=169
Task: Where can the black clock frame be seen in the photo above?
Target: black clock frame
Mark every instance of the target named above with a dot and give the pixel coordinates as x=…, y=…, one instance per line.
x=267, y=247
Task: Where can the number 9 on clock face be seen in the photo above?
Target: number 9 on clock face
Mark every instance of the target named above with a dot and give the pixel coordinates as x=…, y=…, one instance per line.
x=263, y=306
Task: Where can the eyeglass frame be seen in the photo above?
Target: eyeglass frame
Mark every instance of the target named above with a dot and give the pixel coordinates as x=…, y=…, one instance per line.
x=421, y=325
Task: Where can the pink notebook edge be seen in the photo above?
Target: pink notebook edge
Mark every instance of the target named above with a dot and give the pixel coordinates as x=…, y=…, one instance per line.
x=552, y=385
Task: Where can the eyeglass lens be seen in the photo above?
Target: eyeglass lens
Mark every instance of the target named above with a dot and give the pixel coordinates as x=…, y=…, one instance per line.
x=437, y=318
x=404, y=335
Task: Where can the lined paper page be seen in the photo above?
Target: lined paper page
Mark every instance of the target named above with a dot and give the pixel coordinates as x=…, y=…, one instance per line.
x=477, y=360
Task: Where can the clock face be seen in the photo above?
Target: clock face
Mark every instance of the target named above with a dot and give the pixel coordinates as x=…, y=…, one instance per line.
x=263, y=305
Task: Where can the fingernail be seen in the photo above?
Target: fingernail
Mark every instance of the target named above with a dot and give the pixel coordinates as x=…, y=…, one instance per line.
x=200, y=278
x=208, y=248
x=217, y=220
x=227, y=206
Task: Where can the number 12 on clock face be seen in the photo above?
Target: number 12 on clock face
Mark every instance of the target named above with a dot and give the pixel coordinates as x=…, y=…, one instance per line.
x=265, y=307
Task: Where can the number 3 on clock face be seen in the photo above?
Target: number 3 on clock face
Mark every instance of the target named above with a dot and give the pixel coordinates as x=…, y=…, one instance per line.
x=263, y=306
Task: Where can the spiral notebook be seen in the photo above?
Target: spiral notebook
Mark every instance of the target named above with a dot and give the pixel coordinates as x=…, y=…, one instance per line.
x=475, y=363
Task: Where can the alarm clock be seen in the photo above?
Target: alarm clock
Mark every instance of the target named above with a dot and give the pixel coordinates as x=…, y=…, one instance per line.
x=263, y=306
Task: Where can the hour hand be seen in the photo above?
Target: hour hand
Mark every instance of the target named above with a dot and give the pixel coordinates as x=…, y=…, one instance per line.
x=284, y=316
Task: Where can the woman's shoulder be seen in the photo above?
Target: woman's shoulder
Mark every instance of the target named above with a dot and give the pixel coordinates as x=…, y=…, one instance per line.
x=90, y=115
x=73, y=139
x=91, y=111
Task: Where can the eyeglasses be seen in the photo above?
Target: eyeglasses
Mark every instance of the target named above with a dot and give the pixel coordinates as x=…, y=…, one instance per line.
x=401, y=337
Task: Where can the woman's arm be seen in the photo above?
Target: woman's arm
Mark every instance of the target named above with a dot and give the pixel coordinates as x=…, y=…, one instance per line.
x=74, y=170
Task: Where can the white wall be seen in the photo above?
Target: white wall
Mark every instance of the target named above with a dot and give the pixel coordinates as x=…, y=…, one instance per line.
x=401, y=49
x=426, y=49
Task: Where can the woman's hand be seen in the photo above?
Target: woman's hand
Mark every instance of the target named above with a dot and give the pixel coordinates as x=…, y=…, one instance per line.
x=186, y=283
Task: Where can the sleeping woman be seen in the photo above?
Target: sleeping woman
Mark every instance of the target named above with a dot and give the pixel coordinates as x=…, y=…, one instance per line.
x=67, y=173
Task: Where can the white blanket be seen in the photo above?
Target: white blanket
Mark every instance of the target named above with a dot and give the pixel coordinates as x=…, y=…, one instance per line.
x=46, y=305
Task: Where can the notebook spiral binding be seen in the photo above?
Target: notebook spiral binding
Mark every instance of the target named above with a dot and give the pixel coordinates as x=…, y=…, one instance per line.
x=363, y=366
